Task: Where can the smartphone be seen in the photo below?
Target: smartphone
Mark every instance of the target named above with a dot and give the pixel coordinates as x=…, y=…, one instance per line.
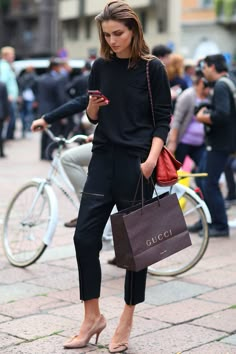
x=97, y=93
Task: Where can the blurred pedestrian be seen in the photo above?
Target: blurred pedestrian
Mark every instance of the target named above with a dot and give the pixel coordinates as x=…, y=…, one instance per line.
x=162, y=52
x=229, y=171
x=220, y=128
x=186, y=137
x=189, y=71
x=79, y=87
x=27, y=87
x=175, y=72
x=79, y=84
x=50, y=94
x=8, y=76
x=4, y=114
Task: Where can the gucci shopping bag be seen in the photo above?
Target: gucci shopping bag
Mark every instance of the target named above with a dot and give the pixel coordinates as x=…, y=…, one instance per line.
x=145, y=234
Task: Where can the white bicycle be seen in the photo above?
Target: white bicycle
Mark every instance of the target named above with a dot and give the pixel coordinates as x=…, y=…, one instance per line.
x=194, y=209
x=31, y=218
x=32, y=215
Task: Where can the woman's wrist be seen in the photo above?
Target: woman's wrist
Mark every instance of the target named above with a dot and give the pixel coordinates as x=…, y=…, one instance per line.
x=91, y=115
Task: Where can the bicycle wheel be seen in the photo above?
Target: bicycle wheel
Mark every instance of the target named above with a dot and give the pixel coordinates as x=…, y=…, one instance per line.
x=194, y=209
x=29, y=223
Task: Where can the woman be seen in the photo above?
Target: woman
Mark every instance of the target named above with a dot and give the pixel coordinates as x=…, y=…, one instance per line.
x=186, y=137
x=125, y=144
x=175, y=71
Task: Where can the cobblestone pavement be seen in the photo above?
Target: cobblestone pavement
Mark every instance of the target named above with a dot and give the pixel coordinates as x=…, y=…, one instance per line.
x=40, y=307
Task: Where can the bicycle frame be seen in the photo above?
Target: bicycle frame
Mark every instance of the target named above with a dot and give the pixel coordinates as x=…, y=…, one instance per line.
x=57, y=169
x=180, y=189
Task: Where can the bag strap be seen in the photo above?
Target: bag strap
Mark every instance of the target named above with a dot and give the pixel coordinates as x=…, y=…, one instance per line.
x=142, y=191
x=150, y=91
x=229, y=83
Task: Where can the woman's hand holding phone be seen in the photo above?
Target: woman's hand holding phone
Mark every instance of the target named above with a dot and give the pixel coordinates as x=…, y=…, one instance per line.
x=96, y=100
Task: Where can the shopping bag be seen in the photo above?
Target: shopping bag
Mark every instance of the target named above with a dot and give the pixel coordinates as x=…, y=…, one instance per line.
x=149, y=232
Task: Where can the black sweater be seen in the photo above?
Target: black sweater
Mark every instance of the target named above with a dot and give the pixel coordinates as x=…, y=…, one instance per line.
x=76, y=105
x=127, y=120
x=221, y=134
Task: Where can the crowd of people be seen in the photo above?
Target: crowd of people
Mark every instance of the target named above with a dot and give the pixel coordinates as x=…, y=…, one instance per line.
x=194, y=114
x=29, y=95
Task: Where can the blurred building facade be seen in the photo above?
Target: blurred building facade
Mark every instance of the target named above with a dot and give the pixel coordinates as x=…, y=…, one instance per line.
x=208, y=27
x=31, y=26
x=160, y=20
x=194, y=28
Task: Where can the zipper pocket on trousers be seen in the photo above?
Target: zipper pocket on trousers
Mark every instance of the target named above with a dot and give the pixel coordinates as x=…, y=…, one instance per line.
x=94, y=194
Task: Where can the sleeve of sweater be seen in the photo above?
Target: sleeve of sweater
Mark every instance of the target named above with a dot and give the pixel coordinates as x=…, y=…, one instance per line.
x=221, y=104
x=161, y=99
x=184, y=104
x=78, y=104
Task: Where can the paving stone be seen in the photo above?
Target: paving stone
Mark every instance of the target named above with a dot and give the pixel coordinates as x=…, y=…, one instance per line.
x=213, y=348
x=50, y=345
x=226, y=295
x=173, y=291
x=141, y=327
x=216, y=262
x=110, y=271
x=30, y=306
x=6, y=340
x=230, y=340
x=216, y=278
x=69, y=263
x=73, y=311
x=60, y=312
x=70, y=295
x=106, y=292
x=222, y=321
x=182, y=311
x=14, y=292
x=13, y=275
x=33, y=327
x=117, y=284
x=61, y=281
x=110, y=307
x=4, y=318
x=54, y=253
x=38, y=270
x=172, y=340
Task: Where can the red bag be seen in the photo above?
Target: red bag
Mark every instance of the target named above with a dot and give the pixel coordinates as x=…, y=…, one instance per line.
x=167, y=165
x=166, y=169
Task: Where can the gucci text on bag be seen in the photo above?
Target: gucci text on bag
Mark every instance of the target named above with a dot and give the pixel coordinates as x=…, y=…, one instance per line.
x=159, y=237
x=144, y=235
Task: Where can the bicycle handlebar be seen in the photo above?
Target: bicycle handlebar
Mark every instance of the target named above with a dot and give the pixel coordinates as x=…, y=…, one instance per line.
x=59, y=139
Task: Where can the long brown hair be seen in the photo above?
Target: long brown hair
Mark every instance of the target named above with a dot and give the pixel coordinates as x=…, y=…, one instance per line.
x=175, y=66
x=120, y=11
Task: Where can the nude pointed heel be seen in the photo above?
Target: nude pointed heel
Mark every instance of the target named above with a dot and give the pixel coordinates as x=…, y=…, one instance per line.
x=122, y=345
x=118, y=347
x=97, y=328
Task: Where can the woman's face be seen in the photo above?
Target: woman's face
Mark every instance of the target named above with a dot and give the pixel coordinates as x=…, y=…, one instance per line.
x=118, y=37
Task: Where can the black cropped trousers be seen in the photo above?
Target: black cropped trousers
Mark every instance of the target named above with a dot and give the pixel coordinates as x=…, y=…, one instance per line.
x=113, y=176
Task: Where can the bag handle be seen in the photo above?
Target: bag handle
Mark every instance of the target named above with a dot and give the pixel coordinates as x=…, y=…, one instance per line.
x=150, y=91
x=142, y=191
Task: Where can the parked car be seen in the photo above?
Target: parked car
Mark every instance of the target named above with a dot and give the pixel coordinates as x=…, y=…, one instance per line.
x=42, y=64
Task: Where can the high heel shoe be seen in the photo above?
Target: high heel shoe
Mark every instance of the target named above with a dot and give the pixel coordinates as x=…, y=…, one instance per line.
x=121, y=346
x=97, y=328
x=118, y=347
